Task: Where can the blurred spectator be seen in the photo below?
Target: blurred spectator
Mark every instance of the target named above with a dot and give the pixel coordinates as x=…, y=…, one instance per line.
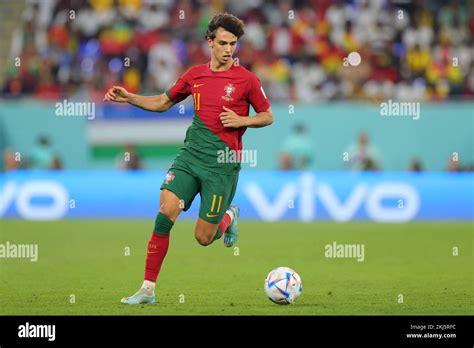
x=10, y=162
x=296, y=152
x=369, y=165
x=43, y=156
x=418, y=60
x=362, y=155
x=452, y=11
x=154, y=15
x=163, y=64
x=453, y=165
x=416, y=166
x=56, y=164
x=418, y=34
x=130, y=159
x=309, y=79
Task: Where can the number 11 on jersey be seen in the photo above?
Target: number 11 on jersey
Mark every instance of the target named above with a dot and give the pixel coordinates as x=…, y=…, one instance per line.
x=197, y=101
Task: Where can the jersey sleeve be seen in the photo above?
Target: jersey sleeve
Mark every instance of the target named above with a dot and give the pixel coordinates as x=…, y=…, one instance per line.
x=181, y=88
x=257, y=97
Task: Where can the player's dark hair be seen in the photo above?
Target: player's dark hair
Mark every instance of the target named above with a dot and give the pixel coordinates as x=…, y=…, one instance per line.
x=227, y=21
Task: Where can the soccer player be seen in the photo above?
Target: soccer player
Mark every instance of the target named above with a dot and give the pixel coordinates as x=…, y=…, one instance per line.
x=222, y=91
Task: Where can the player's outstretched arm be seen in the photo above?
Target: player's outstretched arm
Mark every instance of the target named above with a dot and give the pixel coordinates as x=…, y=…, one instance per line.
x=261, y=119
x=158, y=103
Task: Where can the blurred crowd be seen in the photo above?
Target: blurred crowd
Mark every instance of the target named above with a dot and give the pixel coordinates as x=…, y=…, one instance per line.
x=41, y=156
x=297, y=153
x=411, y=50
x=44, y=156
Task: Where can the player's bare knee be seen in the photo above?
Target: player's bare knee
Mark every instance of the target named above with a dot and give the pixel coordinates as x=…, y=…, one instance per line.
x=170, y=204
x=170, y=209
x=202, y=239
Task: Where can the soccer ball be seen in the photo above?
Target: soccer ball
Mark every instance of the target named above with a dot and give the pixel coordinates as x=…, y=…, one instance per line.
x=283, y=286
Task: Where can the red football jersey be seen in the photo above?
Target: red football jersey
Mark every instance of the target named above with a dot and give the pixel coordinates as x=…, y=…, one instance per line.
x=236, y=88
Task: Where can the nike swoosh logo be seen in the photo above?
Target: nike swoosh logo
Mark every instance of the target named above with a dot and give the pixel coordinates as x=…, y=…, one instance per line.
x=211, y=215
x=195, y=85
x=153, y=252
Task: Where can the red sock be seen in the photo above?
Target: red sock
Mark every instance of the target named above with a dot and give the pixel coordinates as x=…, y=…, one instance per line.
x=224, y=224
x=157, y=249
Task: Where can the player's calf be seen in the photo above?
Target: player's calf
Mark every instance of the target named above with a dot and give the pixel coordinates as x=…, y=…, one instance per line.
x=156, y=252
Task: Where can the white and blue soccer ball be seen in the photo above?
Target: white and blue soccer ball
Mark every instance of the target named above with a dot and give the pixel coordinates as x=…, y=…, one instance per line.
x=283, y=286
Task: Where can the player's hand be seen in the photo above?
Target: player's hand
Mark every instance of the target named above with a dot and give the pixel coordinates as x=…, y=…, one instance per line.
x=230, y=119
x=118, y=94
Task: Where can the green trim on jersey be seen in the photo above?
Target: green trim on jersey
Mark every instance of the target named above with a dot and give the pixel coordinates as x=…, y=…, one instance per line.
x=203, y=148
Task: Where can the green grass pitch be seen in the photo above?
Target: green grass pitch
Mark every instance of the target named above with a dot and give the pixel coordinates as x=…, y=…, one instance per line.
x=86, y=261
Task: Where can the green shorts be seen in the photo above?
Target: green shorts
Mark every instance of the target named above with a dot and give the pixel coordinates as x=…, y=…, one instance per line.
x=216, y=190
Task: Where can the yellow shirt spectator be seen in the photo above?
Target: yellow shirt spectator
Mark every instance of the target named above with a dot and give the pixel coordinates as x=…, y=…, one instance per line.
x=418, y=59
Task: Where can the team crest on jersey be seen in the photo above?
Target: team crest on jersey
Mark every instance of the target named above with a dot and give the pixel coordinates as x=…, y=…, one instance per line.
x=229, y=89
x=169, y=177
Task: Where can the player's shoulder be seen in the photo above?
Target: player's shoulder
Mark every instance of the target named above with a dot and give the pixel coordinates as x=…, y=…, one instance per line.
x=194, y=71
x=243, y=70
x=197, y=69
x=248, y=75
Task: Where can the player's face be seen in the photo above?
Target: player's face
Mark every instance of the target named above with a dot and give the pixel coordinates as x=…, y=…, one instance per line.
x=223, y=46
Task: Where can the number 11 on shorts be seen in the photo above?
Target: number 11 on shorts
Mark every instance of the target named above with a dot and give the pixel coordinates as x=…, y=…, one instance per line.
x=214, y=198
